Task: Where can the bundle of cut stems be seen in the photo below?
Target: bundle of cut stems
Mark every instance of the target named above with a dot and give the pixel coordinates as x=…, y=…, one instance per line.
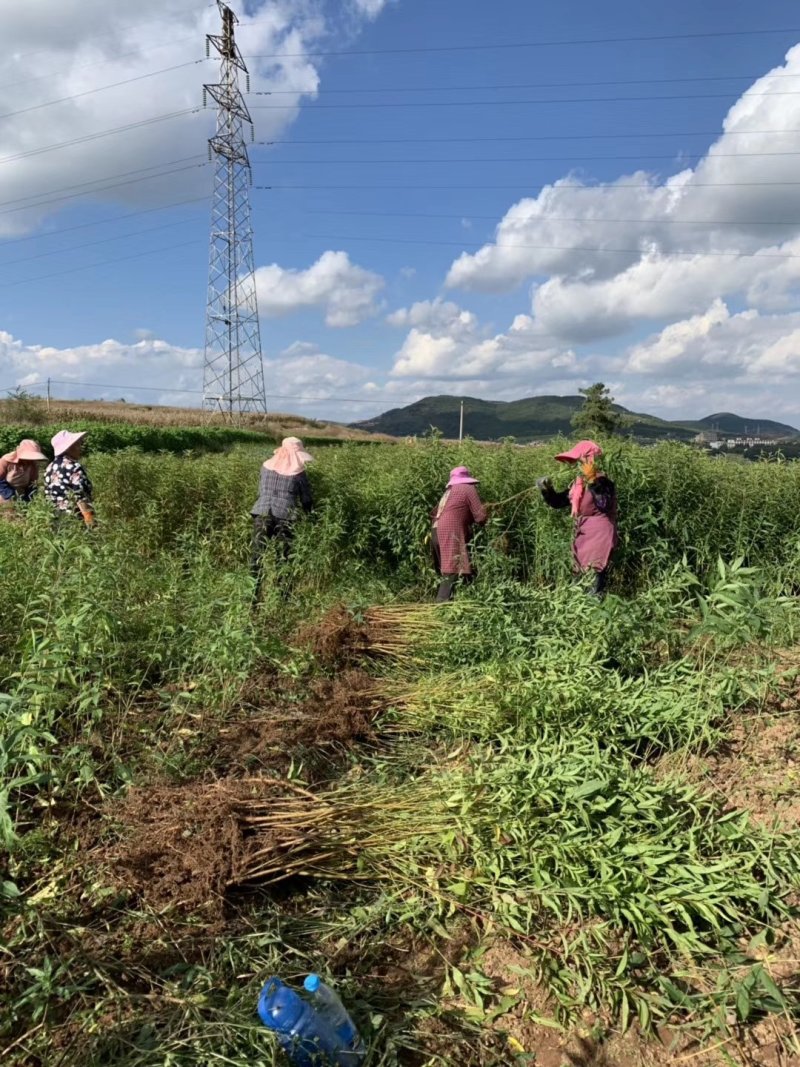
x=395, y=629
x=338, y=834
x=442, y=700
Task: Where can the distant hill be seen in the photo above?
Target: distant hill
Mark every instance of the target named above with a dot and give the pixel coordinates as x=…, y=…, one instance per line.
x=735, y=425
x=545, y=416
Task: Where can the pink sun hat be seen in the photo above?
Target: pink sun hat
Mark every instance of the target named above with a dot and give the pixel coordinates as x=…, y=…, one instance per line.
x=29, y=450
x=583, y=450
x=290, y=459
x=65, y=439
x=461, y=476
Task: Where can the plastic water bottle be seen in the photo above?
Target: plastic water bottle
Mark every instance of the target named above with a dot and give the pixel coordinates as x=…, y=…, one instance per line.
x=303, y=1034
x=334, y=1013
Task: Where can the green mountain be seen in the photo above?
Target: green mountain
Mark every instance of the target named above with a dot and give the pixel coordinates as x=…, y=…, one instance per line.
x=727, y=423
x=545, y=416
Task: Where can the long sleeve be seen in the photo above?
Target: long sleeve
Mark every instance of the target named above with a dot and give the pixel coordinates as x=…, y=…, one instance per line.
x=82, y=486
x=553, y=498
x=477, y=510
x=304, y=492
x=603, y=493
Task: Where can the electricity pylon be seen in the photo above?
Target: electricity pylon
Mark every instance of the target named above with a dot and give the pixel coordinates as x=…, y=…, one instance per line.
x=233, y=376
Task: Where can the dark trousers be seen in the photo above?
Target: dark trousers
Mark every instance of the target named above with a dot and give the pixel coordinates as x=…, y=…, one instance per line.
x=266, y=528
x=447, y=586
x=599, y=584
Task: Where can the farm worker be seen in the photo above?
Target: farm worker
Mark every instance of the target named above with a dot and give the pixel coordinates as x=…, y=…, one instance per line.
x=592, y=499
x=283, y=488
x=19, y=472
x=459, y=510
x=66, y=483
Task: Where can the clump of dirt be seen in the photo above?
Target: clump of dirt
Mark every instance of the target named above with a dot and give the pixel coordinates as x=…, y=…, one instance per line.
x=336, y=640
x=337, y=714
x=180, y=846
x=184, y=847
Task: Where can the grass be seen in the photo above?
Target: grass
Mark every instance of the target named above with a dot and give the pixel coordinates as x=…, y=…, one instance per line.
x=32, y=411
x=194, y=796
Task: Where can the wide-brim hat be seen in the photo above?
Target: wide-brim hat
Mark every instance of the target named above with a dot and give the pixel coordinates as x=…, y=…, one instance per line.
x=65, y=439
x=461, y=476
x=28, y=449
x=296, y=445
x=583, y=450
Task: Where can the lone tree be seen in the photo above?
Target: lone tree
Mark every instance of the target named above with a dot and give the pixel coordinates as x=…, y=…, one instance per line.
x=597, y=414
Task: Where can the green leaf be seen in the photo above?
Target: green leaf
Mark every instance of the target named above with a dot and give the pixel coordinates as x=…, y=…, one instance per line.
x=743, y=1004
x=588, y=789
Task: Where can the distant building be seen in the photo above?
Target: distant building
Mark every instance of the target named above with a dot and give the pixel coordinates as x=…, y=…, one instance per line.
x=750, y=442
x=708, y=438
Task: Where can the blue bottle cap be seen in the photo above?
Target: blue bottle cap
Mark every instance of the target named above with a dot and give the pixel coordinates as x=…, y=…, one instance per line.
x=311, y=984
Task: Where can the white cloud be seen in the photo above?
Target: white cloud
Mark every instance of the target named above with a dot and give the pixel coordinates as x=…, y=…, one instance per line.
x=119, y=367
x=433, y=314
x=304, y=370
x=369, y=8
x=722, y=348
x=300, y=372
x=603, y=256
x=54, y=49
x=446, y=342
x=345, y=291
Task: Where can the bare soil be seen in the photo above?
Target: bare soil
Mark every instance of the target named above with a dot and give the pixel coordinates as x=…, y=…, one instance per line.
x=178, y=846
x=757, y=768
x=336, y=715
x=182, y=849
x=336, y=640
x=595, y=1043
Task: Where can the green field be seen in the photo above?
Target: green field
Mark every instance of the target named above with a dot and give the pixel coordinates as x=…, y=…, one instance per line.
x=525, y=828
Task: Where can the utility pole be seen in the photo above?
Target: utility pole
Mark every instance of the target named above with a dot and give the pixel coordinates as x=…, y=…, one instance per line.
x=48, y=396
x=233, y=375
x=461, y=424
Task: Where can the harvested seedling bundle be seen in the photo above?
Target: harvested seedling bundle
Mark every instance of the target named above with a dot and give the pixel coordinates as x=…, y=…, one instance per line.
x=343, y=833
x=186, y=845
x=402, y=632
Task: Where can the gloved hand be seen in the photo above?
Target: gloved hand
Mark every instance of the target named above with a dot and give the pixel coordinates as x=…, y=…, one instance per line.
x=87, y=514
x=543, y=483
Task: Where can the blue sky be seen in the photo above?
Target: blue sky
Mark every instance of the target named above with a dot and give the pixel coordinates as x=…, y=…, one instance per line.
x=398, y=157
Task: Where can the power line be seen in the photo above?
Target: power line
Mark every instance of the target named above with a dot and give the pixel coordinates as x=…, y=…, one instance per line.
x=94, y=181
x=100, y=222
x=561, y=185
x=548, y=248
x=134, y=53
x=193, y=8
x=501, y=46
x=91, y=244
x=534, y=137
x=102, y=188
x=553, y=218
x=100, y=89
x=530, y=159
x=102, y=263
x=199, y=392
x=538, y=101
x=103, y=133
x=527, y=85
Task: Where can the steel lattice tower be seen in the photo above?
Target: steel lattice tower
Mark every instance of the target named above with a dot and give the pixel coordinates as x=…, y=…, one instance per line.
x=233, y=377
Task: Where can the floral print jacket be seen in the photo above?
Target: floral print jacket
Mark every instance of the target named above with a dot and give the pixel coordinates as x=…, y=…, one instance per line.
x=66, y=483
